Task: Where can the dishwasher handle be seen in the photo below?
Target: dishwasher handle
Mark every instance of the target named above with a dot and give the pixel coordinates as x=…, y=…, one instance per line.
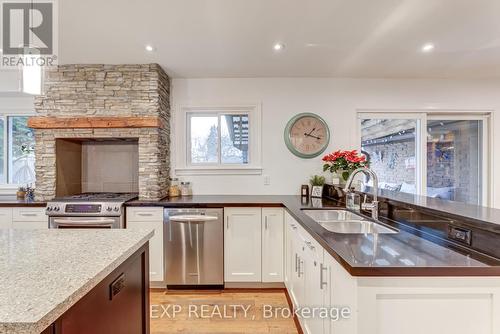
x=192, y=218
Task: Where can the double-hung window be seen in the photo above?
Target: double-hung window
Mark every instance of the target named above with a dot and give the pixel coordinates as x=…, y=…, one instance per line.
x=440, y=155
x=220, y=140
x=17, y=144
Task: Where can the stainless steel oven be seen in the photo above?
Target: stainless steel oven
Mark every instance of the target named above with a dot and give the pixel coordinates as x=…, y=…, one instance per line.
x=89, y=210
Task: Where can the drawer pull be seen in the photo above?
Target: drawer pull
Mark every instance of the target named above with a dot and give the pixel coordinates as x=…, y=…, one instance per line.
x=145, y=214
x=321, y=270
x=26, y=214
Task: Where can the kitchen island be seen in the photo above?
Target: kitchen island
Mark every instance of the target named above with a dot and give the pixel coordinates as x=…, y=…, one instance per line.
x=74, y=281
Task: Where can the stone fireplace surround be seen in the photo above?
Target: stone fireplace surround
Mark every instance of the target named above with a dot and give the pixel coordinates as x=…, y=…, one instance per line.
x=105, y=101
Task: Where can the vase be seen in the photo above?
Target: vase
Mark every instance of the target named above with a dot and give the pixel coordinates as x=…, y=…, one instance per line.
x=343, y=176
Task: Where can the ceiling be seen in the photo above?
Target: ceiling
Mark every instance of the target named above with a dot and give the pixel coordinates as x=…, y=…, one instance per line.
x=322, y=38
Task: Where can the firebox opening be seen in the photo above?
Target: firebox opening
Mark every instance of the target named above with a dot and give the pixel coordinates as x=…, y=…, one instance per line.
x=96, y=165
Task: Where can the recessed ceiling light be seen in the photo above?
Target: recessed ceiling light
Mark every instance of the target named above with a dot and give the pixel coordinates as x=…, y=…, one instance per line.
x=278, y=47
x=149, y=48
x=428, y=47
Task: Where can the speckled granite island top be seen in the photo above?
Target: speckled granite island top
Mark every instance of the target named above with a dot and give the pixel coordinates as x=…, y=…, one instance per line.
x=45, y=272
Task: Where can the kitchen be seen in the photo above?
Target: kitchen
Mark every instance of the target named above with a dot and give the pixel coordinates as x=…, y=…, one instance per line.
x=173, y=183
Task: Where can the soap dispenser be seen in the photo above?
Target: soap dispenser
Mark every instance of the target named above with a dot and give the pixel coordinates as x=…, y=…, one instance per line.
x=353, y=200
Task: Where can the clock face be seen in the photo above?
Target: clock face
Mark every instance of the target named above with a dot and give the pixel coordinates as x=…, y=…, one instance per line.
x=307, y=135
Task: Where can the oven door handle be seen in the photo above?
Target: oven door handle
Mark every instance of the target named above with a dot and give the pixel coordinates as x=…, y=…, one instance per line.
x=89, y=222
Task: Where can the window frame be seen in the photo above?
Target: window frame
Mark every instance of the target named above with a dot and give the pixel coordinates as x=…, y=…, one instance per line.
x=422, y=117
x=5, y=187
x=184, y=164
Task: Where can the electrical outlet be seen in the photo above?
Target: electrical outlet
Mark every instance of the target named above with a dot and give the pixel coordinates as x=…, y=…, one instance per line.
x=267, y=180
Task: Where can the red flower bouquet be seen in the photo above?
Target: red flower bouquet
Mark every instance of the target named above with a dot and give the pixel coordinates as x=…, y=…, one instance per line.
x=344, y=162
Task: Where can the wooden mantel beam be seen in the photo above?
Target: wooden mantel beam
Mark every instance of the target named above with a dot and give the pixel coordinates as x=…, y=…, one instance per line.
x=38, y=122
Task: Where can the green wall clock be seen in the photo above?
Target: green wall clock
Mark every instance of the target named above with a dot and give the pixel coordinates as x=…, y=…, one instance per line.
x=307, y=135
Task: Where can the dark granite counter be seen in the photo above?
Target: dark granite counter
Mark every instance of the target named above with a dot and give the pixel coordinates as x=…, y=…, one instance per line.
x=478, y=214
x=401, y=254
x=10, y=201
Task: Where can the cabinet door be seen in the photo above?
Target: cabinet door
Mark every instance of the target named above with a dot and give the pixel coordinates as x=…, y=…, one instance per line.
x=341, y=292
x=5, y=217
x=242, y=245
x=297, y=281
x=156, y=253
x=314, y=289
x=272, y=244
x=288, y=256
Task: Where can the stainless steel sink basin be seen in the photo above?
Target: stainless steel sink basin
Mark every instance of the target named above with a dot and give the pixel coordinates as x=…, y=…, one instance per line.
x=332, y=215
x=342, y=221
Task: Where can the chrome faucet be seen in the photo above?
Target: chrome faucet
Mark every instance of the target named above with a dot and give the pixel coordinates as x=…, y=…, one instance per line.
x=373, y=206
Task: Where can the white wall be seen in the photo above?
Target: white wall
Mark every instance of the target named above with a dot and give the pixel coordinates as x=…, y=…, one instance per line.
x=337, y=101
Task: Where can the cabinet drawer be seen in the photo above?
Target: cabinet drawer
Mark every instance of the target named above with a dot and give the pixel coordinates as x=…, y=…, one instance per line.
x=145, y=214
x=29, y=215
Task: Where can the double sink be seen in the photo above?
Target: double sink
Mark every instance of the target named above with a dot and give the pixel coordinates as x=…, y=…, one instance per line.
x=346, y=222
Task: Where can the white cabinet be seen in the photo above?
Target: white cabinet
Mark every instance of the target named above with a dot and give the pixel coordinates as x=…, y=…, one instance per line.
x=341, y=293
x=242, y=245
x=306, y=274
x=5, y=218
x=272, y=244
x=289, y=269
x=150, y=218
x=314, y=284
x=29, y=218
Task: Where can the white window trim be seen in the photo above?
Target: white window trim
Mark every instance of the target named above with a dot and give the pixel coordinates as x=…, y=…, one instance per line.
x=183, y=166
x=421, y=116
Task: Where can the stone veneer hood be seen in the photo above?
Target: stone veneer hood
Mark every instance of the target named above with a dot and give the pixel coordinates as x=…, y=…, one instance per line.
x=106, y=91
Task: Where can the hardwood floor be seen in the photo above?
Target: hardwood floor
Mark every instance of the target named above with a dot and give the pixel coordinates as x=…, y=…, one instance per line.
x=228, y=312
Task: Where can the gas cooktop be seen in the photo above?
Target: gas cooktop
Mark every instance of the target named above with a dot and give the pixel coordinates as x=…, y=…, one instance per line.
x=96, y=196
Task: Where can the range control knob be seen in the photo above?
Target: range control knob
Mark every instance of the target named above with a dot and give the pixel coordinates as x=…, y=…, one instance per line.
x=108, y=208
x=116, y=209
x=49, y=208
x=56, y=209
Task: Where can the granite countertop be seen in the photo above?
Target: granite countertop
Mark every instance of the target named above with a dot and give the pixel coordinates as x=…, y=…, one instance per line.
x=45, y=272
x=401, y=254
x=9, y=201
x=479, y=214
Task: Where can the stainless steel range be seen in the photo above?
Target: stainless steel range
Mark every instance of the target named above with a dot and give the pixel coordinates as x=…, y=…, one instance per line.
x=88, y=210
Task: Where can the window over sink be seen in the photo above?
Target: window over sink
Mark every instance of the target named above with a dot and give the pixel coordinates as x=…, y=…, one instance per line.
x=439, y=155
x=219, y=140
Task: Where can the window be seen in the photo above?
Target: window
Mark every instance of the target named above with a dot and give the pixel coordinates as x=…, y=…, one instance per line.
x=220, y=140
x=17, y=158
x=390, y=146
x=440, y=156
x=454, y=159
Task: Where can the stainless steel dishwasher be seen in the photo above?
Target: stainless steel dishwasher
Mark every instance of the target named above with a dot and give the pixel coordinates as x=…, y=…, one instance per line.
x=194, y=248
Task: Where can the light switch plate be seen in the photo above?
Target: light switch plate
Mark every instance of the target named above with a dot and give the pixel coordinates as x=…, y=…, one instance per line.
x=267, y=180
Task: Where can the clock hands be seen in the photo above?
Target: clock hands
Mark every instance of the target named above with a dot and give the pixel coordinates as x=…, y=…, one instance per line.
x=310, y=135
